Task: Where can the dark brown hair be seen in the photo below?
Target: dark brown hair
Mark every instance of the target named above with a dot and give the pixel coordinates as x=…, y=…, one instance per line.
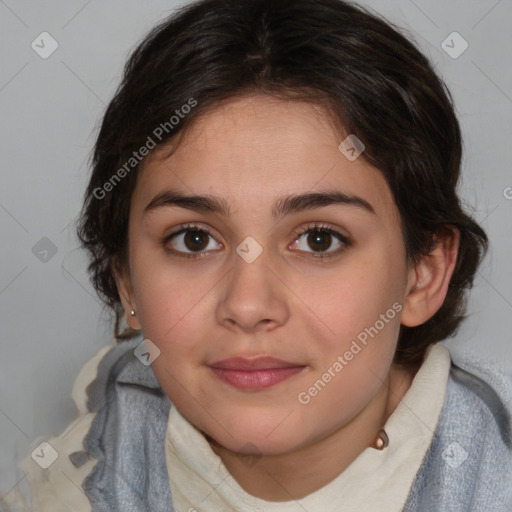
x=375, y=83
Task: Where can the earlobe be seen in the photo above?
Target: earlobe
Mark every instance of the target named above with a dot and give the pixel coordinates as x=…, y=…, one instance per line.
x=430, y=278
x=124, y=289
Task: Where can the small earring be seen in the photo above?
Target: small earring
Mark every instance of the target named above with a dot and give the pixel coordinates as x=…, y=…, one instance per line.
x=382, y=440
x=132, y=312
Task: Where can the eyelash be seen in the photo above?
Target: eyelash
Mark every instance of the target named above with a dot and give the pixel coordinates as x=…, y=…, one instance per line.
x=312, y=227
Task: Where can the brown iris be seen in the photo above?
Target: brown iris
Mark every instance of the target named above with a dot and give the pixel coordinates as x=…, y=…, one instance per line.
x=195, y=240
x=319, y=240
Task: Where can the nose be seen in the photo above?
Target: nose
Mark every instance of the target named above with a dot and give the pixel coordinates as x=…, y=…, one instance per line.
x=254, y=297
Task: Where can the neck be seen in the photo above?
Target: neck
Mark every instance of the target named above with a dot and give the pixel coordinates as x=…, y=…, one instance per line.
x=294, y=475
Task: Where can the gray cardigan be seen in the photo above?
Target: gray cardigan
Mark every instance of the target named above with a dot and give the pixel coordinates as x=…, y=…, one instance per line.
x=468, y=467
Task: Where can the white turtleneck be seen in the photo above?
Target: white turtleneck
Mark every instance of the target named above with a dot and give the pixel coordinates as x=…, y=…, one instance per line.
x=376, y=481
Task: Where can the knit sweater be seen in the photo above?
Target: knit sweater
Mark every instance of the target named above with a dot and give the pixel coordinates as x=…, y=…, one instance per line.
x=112, y=457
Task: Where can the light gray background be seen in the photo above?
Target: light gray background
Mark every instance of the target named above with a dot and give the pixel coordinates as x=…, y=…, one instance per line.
x=51, y=320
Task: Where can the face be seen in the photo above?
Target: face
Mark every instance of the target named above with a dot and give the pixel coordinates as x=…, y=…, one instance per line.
x=251, y=273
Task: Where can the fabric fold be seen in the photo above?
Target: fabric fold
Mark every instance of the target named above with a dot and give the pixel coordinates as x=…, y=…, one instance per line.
x=127, y=432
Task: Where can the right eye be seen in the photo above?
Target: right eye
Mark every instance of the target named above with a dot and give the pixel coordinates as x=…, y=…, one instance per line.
x=190, y=242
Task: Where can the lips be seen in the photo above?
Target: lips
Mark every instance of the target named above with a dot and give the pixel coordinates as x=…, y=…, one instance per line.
x=260, y=363
x=254, y=374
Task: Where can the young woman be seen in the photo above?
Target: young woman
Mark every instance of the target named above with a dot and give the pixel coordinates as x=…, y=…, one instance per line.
x=273, y=211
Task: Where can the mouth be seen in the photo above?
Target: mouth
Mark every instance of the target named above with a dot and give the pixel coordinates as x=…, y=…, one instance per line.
x=259, y=373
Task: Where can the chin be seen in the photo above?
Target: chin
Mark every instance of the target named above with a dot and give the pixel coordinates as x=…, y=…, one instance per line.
x=253, y=441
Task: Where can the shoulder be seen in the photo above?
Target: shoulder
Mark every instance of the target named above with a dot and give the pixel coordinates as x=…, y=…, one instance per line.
x=469, y=464
x=479, y=401
x=55, y=467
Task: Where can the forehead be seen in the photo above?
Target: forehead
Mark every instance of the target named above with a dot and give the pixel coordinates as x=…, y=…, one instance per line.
x=254, y=149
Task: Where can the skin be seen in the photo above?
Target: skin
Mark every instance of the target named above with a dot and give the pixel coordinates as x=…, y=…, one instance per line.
x=250, y=152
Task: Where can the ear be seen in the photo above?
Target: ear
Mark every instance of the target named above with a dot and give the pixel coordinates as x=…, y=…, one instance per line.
x=429, y=279
x=124, y=288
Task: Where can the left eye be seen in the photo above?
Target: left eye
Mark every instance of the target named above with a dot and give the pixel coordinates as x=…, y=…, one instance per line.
x=321, y=240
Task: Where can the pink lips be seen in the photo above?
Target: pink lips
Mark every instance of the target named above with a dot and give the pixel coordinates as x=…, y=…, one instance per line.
x=259, y=373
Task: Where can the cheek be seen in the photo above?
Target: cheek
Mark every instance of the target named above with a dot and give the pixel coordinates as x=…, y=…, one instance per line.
x=353, y=365
x=351, y=390
x=171, y=297
x=345, y=302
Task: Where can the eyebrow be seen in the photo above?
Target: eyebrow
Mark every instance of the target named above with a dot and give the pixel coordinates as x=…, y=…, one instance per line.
x=284, y=206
